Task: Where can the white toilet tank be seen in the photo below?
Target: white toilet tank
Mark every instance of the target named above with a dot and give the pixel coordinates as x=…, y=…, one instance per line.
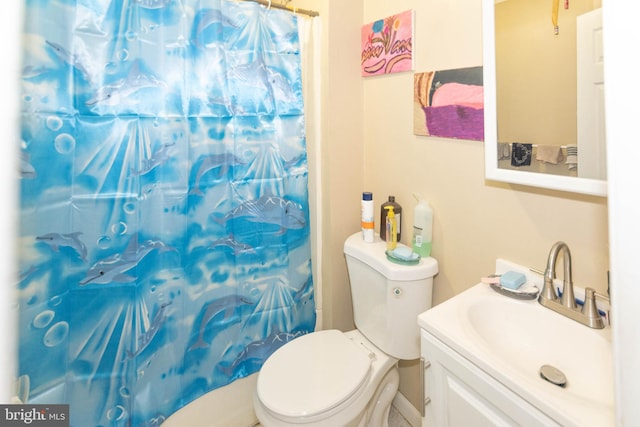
x=388, y=297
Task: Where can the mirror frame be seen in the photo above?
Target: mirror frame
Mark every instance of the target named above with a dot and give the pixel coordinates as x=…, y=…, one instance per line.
x=595, y=187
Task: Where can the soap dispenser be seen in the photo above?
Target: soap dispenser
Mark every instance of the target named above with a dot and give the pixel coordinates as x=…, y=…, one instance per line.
x=397, y=212
x=391, y=225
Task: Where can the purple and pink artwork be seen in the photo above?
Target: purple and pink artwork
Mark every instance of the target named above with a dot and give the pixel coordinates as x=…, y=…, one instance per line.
x=449, y=103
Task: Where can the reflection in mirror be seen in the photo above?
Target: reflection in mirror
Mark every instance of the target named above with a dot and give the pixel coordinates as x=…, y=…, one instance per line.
x=546, y=127
x=538, y=74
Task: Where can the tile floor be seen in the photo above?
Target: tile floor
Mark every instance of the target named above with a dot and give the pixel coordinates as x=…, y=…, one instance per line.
x=397, y=420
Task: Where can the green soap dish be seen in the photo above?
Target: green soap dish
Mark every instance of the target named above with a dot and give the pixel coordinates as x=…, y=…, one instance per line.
x=402, y=261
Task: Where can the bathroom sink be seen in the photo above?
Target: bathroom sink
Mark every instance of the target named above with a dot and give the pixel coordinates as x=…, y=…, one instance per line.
x=512, y=339
x=525, y=337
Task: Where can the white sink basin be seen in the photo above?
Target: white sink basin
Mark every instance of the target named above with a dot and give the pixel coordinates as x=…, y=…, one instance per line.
x=512, y=339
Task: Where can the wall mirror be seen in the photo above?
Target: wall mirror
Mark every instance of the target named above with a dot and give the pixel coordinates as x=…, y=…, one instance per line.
x=544, y=94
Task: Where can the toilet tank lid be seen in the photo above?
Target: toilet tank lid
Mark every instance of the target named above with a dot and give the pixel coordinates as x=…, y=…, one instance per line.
x=373, y=254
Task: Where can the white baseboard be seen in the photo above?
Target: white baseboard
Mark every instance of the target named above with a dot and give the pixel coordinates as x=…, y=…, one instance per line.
x=408, y=411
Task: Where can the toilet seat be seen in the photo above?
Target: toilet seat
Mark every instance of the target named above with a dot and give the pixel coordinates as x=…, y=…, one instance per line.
x=323, y=369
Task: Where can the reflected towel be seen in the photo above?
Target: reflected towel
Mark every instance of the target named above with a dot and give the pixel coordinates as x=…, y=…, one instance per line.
x=572, y=157
x=550, y=154
x=504, y=150
x=521, y=154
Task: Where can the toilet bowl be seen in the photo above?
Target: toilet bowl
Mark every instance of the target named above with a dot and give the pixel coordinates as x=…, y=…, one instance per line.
x=348, y=371
x=331, y=378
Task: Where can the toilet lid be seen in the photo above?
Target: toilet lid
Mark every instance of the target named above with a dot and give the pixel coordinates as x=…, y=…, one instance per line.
x=312, y=374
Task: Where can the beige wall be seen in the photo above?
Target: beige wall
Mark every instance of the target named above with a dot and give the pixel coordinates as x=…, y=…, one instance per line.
x=368, y=144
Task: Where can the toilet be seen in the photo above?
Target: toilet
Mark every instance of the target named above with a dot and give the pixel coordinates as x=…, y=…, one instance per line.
x=331, y=378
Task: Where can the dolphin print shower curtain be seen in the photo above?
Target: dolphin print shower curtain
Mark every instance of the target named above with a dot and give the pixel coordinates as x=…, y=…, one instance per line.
x=164, y=228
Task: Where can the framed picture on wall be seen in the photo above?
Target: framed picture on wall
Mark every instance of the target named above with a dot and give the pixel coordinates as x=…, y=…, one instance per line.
x=387, y=45
x=449, y=103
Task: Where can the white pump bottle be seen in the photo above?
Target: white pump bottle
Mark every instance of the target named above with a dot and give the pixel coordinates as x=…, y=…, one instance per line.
x=422, y=228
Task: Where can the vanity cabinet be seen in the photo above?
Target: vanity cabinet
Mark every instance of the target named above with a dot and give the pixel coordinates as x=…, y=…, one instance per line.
x=459, y=394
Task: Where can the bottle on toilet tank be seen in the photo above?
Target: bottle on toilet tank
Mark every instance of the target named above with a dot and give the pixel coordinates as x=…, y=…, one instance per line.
x=397, y=210
x=391, y=231
x=367, y=217
x=422, y=228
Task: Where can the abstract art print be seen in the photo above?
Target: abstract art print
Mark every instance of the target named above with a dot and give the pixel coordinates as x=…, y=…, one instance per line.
x=387, y=45
x=449, y=104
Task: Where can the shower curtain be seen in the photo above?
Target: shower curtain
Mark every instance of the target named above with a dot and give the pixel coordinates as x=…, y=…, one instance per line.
x=164, y=241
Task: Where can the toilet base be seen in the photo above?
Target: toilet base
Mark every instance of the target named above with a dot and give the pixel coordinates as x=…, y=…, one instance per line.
x=384, y=397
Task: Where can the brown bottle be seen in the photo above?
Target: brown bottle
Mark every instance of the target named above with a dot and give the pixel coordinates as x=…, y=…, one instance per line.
x=397, y=209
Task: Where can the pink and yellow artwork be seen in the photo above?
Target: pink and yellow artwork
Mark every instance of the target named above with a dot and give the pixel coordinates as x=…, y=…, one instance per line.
x=387, y=45
x=449, y=104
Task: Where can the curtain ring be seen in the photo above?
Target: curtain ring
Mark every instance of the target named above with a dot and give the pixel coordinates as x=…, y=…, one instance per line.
x=269, y=5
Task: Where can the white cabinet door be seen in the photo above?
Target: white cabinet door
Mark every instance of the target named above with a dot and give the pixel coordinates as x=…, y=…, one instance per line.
x=462, y=395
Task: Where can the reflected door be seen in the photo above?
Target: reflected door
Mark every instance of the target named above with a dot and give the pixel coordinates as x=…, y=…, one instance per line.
x=590, y=79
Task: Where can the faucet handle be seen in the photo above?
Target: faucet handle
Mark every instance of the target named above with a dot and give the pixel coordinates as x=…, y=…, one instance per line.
x=590, y=309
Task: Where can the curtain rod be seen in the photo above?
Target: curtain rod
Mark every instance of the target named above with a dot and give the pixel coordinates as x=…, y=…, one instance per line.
x=275, y=5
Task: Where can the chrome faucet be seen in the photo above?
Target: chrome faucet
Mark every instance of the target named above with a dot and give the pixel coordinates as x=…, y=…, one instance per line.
x=588, y=314
x=548, y=290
